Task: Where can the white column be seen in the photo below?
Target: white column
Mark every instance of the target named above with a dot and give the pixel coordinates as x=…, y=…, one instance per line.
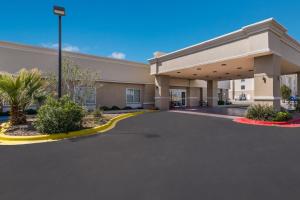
x=193, y=96
x=267, y=71
x=162, y=95
x=212, y=93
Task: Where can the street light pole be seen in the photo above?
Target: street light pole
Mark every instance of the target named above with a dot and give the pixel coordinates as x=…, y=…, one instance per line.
x=59, y=57
x=60, y=11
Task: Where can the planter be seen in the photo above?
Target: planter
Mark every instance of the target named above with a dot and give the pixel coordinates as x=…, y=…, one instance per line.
x=14, y=140
x=291, y=123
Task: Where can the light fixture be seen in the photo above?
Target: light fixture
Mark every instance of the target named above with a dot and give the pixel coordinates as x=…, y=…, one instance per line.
x=59, y=11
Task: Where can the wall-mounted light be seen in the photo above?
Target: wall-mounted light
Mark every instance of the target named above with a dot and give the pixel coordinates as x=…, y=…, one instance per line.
x=264, y=79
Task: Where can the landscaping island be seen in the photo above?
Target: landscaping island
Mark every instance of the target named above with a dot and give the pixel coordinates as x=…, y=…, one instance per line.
x=265, y=115
x=54, y=118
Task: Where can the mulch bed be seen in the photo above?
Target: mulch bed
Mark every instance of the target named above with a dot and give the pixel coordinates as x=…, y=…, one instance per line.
x=29, y=130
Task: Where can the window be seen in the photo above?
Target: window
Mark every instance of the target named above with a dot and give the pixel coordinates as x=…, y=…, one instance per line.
x=85, y=95
x=242, y=87
x=133, y=96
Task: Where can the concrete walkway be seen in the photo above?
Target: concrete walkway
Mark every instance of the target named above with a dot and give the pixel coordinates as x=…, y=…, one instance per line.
x=223, y=112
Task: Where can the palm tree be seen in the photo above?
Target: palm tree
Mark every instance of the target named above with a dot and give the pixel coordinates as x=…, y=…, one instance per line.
x=20, y=91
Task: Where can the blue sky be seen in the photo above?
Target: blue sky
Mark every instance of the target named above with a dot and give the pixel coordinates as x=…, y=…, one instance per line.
x=134, y=29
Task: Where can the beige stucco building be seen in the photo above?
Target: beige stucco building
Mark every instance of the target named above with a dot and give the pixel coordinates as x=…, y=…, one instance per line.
x=250, y=61
x=263, y=51
x=242, y=90
x=122, y=83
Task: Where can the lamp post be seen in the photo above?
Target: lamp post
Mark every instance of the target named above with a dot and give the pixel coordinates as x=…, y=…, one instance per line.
x=59, y=11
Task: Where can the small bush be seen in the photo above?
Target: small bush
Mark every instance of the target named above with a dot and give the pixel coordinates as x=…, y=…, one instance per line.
x=4, y=113
x=30, y=112
x=59, y=116
x=127, y=108
x=267, y=113
x=97, y=113
x=104, y=108
x=115, y=108
x=282, y=116
x=261, y=112
x=228, y=103
x=221, y=102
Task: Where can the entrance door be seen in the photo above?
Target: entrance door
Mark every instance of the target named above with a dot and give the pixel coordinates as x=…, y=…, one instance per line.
x=178, y=98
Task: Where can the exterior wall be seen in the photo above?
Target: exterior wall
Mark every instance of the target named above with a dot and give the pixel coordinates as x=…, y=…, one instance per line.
x=110, y=94
x=13, y=57
x=114, y=75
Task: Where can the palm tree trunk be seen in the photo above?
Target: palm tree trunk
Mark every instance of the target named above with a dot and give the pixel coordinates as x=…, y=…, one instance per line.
x=17, y=116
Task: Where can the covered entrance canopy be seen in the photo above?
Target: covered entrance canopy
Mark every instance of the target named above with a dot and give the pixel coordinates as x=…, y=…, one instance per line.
x=262, y=51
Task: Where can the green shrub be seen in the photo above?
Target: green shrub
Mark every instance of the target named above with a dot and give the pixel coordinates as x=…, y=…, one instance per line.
x=4, y=113
x=104, y=108
x=97, y=113
x=115, y=108
x=59, y=116
x=221, y=102
x=30, y=112
x=127, y=108
x=261, y=112
x=267, y=113
x=282, y=116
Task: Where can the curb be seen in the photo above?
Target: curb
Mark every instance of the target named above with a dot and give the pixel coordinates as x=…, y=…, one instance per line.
x=59, y=136
x=294, y=123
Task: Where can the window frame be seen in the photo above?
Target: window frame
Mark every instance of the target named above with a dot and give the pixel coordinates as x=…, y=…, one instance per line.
x=133, y=103
x=85, y=103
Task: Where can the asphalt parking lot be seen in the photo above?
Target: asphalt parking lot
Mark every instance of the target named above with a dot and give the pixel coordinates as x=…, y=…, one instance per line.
x=159, y=156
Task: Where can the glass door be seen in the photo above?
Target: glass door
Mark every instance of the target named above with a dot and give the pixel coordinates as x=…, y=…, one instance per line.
x=178, y=98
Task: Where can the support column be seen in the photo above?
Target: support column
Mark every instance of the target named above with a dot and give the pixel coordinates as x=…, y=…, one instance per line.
x=193, y=96
x=149, y=93
x=162, y=95
x=267, y=71
x=212, y=93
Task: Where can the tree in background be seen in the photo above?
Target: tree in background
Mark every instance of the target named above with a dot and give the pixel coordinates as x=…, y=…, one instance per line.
x=74, y=76
x=20, y=92
x=285, y=92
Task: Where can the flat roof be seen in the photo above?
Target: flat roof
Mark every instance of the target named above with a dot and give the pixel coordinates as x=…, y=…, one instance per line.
x=75, y=54
x=270, y=23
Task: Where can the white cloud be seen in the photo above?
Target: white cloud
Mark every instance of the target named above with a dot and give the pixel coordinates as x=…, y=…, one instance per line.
x=118, y=55
x=65, y=47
